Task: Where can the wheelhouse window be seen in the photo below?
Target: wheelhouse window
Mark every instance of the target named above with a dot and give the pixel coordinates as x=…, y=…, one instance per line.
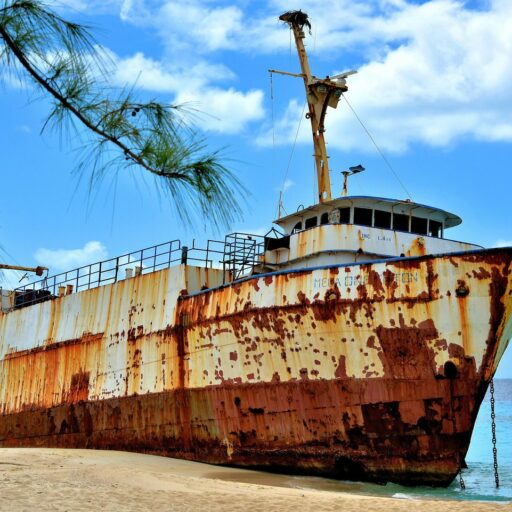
x=297, y=227
x=382, y=219
x=419, y=225
x=363, y=216
x=324, y=219
x=400, y=222
x=435, y=229
x=345, y=215
x=311, y=222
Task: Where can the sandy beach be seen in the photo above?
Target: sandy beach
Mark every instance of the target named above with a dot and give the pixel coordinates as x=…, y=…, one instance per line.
x=51, y=479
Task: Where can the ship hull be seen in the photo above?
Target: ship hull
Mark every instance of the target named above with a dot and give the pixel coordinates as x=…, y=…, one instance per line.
x=367, y=372
x=384, y=447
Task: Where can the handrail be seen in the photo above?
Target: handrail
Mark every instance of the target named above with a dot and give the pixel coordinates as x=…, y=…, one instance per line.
x=235, y=256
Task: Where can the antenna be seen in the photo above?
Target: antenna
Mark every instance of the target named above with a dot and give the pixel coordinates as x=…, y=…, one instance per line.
x=342, y=76
x=280, y=204
x=351, y=171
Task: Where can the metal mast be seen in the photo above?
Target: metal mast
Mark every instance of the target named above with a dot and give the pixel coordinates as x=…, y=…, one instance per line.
x=320, y=94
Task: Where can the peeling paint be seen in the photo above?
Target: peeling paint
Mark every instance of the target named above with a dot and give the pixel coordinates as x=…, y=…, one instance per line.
x=379, y=380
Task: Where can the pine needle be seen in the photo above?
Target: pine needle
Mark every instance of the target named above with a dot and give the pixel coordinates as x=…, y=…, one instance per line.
x=63, y=60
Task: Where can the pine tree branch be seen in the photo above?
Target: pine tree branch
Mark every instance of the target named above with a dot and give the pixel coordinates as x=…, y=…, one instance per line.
x=71, y=108
x=63, y=60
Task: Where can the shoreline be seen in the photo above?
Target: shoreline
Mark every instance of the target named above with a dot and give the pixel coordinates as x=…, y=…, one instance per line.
x=65, y=479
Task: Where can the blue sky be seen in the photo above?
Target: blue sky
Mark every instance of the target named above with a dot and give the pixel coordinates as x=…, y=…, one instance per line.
x=433, y=88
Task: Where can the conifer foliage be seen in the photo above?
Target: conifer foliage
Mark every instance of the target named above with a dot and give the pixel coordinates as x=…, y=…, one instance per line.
x=117, y=130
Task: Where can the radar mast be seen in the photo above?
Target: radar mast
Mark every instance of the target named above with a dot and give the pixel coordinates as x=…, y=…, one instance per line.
x=320, y=94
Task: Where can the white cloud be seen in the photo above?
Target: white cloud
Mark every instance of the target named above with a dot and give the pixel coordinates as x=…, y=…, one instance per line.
x=435, y=71
x=68, y=259
x=192, y=81
x=503, y=243
x=226, y=110
x=153, y=75
x=95, y=6
x=203, y=27
x=212, y=28
x=432, y=72
x=206, y=27
x=287, y=184
x=450, y=79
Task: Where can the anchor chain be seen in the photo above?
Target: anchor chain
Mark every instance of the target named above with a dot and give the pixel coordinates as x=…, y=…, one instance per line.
x=461, y=480
x=493, y=429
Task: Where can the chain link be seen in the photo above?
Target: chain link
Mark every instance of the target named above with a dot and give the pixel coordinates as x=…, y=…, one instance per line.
x=461, y=480
x=493, y=428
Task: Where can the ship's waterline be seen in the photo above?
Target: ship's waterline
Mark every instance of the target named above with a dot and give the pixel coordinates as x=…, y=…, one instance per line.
x=291, y=371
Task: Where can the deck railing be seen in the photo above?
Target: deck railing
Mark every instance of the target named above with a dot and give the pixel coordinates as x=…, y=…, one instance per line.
x=236, y=256
x=242, y=252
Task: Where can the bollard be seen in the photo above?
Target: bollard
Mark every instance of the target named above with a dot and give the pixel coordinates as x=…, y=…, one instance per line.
x=184, y=255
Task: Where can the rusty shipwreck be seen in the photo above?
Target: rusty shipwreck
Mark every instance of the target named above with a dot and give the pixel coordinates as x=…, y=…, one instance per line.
x=357, y=342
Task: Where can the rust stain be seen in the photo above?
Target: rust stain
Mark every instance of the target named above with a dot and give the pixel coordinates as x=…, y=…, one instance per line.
x=351, y=372
x=405, y=354
x=297, y=411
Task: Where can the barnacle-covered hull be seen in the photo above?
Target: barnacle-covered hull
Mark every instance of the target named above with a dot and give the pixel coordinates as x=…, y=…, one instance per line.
x=364, y=371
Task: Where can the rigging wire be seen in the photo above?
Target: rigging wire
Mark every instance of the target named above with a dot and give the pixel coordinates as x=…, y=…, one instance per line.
x=272, y=115
x=386, y=161
x=16, y=273
x=279, y=204
x=281, y=191
x=293, y=147
x=12, y=258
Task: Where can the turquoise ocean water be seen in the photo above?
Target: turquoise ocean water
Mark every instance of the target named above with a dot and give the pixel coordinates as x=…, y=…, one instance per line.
x=478, y=477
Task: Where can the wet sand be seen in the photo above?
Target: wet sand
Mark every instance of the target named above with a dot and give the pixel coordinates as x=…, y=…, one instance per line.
x=34, y=479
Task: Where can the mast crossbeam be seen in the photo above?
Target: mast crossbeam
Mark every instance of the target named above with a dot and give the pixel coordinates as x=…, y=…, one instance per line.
x=321, y=93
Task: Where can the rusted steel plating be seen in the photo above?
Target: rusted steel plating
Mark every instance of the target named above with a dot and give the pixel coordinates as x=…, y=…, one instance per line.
x=372, y=371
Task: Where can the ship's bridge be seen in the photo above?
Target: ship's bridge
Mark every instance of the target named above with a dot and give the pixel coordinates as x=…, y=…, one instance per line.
x=344, y=230
x=358, y=228
x=378, y=212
